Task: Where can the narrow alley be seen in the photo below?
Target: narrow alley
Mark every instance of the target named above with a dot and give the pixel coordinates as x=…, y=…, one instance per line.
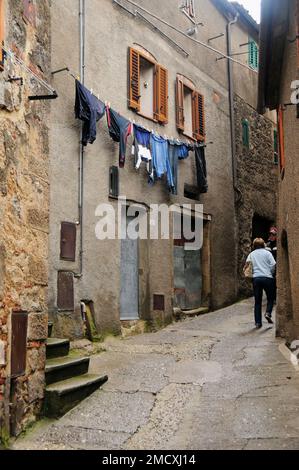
x=212, y=382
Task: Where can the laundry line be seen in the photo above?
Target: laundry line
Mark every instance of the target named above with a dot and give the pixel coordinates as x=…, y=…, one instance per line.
x=108, y=105
x=15, y=58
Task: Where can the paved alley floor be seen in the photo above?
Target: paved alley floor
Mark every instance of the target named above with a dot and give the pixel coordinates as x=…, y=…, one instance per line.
x=213, y=382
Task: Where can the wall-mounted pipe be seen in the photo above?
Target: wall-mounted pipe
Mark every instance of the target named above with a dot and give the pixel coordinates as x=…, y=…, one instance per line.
x=81, y=152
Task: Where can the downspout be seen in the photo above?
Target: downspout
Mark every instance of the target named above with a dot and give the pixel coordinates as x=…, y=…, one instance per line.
x=231, y=103
x=81, y=152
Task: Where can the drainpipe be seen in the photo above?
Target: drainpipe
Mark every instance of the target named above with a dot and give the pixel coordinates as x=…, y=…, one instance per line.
x=81, y=153
x=231, y=102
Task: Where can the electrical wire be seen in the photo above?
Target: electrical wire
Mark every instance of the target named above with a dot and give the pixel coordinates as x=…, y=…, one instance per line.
x=197, y=41
x=20, y=62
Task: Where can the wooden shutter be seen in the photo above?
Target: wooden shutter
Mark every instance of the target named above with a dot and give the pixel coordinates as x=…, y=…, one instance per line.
x=2, y=22
x=198, y=116
x=281, y=139
x=134, y=79
x=68, y=233
x=180, y=118
x=19, y=323
x=161, y=94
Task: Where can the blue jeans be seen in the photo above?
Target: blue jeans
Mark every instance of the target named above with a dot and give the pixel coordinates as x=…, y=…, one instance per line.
x=261, y=284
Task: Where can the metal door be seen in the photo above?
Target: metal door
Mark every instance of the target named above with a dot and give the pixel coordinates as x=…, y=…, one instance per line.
x=129, y=293
x=193, y=279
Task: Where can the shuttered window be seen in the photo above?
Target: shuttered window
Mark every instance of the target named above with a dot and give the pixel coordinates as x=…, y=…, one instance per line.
x=161, y=94
x=198, y=116
x=245, y=133
x=134, y=79
x=197, y=110
x=2, y=22
x=145, y=74
x=180, y=119
x=253, y=54
x=114, y=181
x=281, y=140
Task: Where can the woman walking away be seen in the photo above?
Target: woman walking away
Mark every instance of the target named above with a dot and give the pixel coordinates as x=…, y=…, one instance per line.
x=263, y=272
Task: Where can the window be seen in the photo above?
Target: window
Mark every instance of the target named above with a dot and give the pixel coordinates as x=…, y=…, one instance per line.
x=253, y=54
x=188, y=6
x=245, y=133
x=114, y=181
x=281, y=140
x=2, y=21
x=190, y=114
x=148, y=87
x=276, y=153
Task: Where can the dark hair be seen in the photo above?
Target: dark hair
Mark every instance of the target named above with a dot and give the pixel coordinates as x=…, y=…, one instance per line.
x=259, y=243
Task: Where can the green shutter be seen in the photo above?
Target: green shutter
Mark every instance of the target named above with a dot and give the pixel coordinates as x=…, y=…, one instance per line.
x=245, y=133
x=276, y=156
x=253, y=54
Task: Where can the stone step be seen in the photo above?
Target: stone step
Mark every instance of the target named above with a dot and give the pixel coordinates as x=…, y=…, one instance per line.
x=57, y=347
x=50, y=328
x=62, y=396
x=63, y=368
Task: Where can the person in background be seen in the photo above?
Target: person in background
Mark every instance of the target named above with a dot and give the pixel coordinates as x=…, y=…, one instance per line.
x=263, y=267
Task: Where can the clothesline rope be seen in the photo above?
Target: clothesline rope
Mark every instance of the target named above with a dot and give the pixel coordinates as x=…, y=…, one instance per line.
x=107, y=105
x=20, y=62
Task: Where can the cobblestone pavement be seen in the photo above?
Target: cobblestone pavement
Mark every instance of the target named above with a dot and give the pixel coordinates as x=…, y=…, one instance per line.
x=213, y=382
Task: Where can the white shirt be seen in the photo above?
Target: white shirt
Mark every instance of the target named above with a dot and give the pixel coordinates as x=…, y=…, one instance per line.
x=263, y=263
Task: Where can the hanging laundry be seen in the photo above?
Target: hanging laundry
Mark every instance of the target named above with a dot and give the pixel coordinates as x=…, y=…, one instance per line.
x=119, y=129
x=89, y=110
x=141, y=149
x=161, y=159
x=201, y=168
x=177, y=151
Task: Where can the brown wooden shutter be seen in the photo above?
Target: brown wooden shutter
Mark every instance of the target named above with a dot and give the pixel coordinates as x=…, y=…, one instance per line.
x=134, y=79
x=198, y=116
x=2, y=22
x=180, y=119
x=19, y=322
x=161, y=94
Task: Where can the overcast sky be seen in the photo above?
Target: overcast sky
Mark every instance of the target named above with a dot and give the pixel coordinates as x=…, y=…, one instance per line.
x=253, y=6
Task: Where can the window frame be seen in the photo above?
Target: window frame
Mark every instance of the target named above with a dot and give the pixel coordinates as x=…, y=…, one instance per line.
x=182, y=83
x=245, y=133
x=253, y=54
x=156, y=116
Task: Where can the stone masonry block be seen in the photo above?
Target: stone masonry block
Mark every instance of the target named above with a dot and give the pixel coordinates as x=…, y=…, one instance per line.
x=37, y=326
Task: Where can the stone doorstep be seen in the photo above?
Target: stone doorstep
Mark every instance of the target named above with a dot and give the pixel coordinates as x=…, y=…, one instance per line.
x=63, y=368
x=289, y=355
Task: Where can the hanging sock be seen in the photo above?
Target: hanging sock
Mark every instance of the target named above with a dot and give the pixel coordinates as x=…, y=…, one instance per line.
x=119, y=129
x=201, y=169
x=89, y=110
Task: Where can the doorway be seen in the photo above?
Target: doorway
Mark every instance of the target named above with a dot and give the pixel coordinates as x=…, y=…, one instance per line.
x=261, y=227
x=129, y=293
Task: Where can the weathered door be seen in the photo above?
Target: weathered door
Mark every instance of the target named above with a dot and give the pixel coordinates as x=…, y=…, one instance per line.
x=129, y=293
x=187, y=276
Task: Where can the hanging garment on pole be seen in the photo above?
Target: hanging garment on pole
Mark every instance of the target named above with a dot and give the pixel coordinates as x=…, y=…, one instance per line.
x=161, y=159
x=89, y=110
x=177, y=151
x=201, y=169
x=119, y=129
x=141, y=150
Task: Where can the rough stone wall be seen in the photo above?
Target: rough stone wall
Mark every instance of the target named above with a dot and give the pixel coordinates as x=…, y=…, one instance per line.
x=256, y=180
x=288, y=253
x=24, y=203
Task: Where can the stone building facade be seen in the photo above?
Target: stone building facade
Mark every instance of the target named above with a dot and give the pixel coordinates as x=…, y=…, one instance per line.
x=24, y=213
x=277, y=90
x=256, y=181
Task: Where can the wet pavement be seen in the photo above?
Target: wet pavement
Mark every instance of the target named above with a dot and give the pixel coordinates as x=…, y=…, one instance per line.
x=213, y=382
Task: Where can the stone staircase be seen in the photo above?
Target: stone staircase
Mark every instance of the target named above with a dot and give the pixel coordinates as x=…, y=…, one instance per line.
x=67, y=378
